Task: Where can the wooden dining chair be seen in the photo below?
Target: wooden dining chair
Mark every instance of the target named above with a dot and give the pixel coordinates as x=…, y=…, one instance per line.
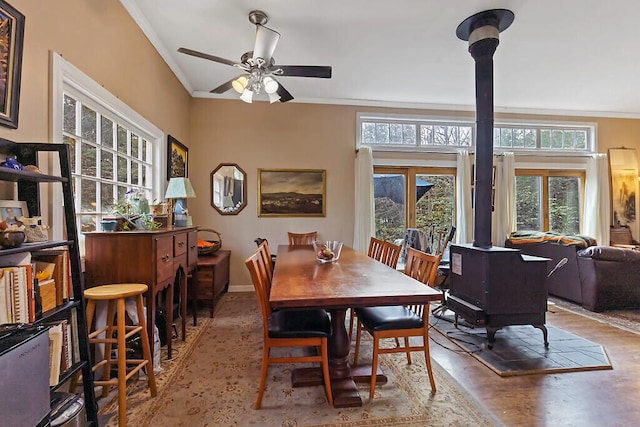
x=258, y=241
x=302, y=238
x=288, y=328
x=263, y=248
x=385, y=252
x=400, y=321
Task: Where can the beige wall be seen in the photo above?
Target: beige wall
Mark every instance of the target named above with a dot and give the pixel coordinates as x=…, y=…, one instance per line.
x=100, y=38
x=302, y=136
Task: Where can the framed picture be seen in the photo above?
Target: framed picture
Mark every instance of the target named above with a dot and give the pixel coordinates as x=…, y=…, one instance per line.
x=177, y=159
x=12, y=209
x=623, y=167
x=291, y=192
x=11, y=40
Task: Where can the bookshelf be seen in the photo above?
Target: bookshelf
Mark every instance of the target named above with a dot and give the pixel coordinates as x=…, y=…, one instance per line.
x=69, y=308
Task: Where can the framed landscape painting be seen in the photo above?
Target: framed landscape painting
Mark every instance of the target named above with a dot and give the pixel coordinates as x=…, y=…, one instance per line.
x=11, y=41
x=291, y=192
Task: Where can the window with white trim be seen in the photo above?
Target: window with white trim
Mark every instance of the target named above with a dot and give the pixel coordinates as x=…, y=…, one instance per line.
x=383, y=132
x=113, y=149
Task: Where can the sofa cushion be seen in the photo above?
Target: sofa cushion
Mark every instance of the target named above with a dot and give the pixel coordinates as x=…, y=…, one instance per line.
x=523, y=237
x=608, y=253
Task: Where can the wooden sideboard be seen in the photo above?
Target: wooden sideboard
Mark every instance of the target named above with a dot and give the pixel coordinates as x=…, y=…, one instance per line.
x=210, y=280
x=153, y=257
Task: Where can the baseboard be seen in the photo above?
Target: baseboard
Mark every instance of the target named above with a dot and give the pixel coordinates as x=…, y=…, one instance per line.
x=241, y=288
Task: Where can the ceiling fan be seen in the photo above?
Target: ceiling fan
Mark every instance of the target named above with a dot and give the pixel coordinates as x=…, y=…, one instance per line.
x=259, y=68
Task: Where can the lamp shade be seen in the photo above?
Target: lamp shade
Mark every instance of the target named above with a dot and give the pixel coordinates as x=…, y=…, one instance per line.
x=179, y=188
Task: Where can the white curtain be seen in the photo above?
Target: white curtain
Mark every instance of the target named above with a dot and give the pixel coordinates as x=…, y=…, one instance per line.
x=505, y=200
x=464, y=214
x=364, y=203
x=597, y=212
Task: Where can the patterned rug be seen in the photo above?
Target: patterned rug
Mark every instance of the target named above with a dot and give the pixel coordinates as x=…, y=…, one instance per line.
x=213, y=382
x=626, y=319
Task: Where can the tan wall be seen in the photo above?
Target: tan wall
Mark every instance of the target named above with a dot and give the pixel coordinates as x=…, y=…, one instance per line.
x=101, y=39
x=302, y=136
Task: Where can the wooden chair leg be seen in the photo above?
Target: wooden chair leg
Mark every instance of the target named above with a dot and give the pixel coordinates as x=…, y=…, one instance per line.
x=325, y=370
x=357, y=350
x=108, y=346
x=146, y=348
x=122, y=365
x=263, y=375
x=427, y=360
x=406, y=345
x=374, y=366
x=351, y=319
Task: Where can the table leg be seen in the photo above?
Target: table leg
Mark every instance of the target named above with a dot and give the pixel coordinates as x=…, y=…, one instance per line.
x=183, y=302
x=168, y=305
x=194, y=295
x=150, y=301
x=343, y=376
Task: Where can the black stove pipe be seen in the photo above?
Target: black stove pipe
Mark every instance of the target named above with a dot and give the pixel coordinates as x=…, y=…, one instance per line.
x=482, y=31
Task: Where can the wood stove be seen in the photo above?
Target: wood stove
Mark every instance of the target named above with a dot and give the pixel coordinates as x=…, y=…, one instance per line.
x=492, y=286
x=497, y=287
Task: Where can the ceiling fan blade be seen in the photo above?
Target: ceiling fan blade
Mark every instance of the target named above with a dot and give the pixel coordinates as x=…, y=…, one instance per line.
x=284, y=94
x=224, y=86
x=209, y=57
x=266, y=42
x=323, y=72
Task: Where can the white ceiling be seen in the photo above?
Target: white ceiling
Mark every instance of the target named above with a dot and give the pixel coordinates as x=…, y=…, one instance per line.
x=559, y=56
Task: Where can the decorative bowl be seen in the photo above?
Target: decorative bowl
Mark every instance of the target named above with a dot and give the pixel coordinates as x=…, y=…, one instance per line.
x=11, y=239
x=327, y=251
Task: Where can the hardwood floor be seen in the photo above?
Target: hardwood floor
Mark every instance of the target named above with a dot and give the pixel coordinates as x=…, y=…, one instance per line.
x=591, y=398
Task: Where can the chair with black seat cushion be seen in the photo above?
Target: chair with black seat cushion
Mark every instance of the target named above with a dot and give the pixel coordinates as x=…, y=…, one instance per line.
x=266, y=255
x=288, y=328
x=302, y=238
x=258, y=241
x=385, y=252
x=400, y=321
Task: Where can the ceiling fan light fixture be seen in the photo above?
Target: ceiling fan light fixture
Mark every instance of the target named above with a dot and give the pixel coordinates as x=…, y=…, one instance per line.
x=247, y=96
x=270, y=85
x=239, y=84
x=274, y=97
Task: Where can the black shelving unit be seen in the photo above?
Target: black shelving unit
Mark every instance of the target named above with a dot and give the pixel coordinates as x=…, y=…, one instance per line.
x=28, y=184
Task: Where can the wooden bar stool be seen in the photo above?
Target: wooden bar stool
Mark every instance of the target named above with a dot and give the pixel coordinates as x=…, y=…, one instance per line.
x=116, y=294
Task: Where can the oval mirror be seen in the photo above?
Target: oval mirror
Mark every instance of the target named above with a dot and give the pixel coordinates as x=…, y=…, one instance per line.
x=228, y=189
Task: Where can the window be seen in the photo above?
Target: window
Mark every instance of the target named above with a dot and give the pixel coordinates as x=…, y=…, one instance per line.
x=548, y=200
x=408, y=133
x=429, y=205
x=528, y=137
x=437, y=134
x=113, y=149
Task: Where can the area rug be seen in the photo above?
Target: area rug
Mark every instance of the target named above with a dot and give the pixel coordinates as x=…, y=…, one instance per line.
x=216, y=385
x=626, y=319
x=520, y=349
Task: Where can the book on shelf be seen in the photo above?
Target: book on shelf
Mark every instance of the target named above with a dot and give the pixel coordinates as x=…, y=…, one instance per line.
x=60, y=349
x=55, y=261
x=55, y=353
x=17, y=295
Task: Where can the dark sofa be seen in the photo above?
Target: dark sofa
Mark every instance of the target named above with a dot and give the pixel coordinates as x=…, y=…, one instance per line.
x=597, y=277
x=564, y=282
x=610, y=277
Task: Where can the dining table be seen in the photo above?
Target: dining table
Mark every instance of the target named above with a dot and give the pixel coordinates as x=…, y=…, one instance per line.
x=301, y=281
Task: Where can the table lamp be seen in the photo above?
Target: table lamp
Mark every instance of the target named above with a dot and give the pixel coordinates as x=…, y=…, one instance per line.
x=180, y=189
